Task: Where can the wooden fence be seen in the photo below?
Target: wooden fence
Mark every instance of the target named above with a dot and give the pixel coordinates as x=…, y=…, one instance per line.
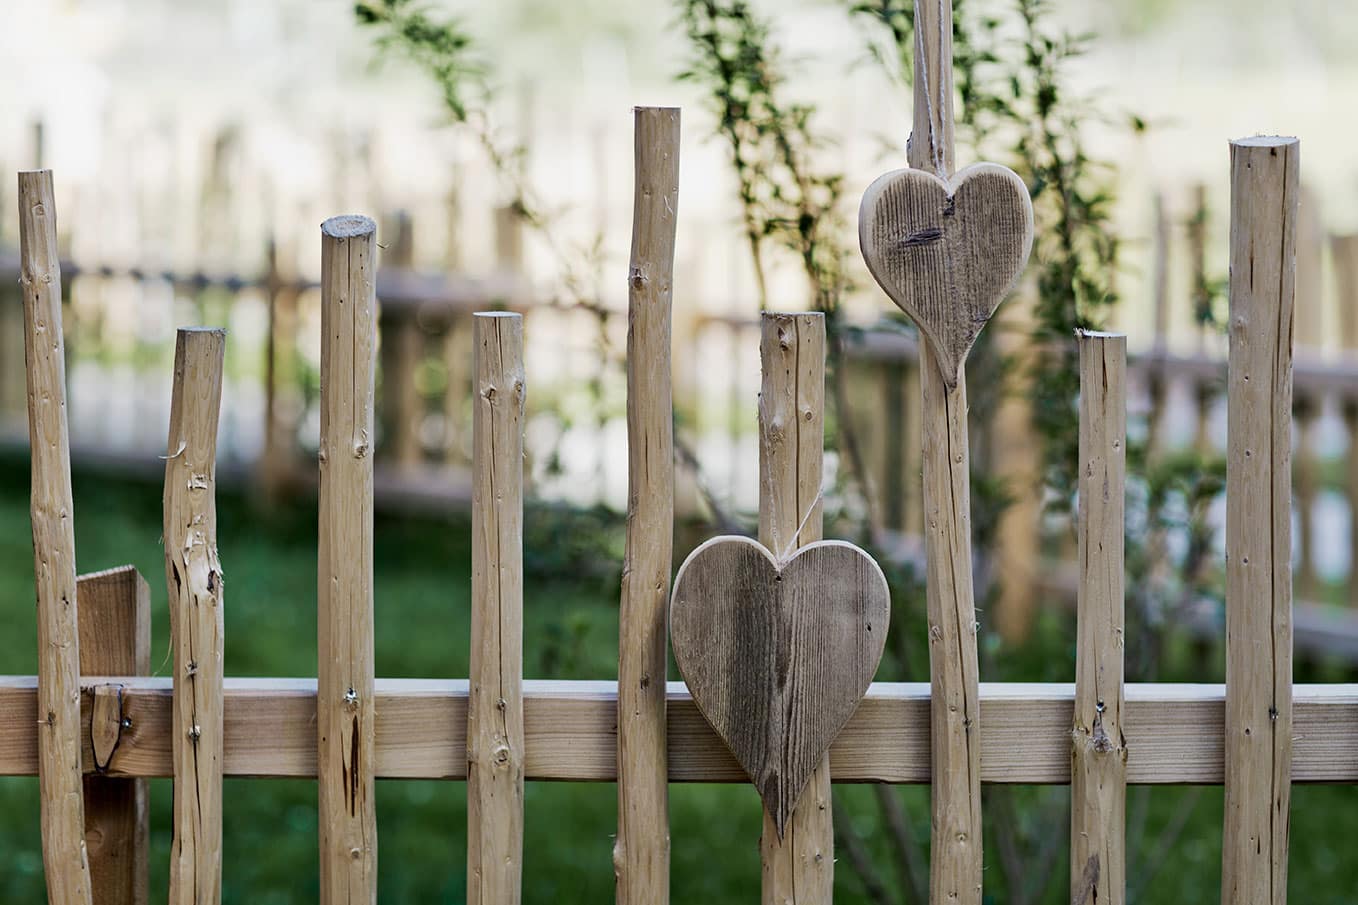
x=101, y=718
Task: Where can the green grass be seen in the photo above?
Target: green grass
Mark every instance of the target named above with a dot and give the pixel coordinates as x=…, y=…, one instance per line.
x=570, y=631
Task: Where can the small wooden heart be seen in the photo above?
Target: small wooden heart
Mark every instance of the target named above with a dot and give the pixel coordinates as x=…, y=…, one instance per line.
x=778, y=655
x=947, y=252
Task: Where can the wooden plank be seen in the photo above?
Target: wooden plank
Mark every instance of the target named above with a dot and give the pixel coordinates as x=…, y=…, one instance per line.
x=798, y=864
x=641, y=852
x=1259, y=729
x=1098, y=844
x=115, y=634
x=65, y=862
x=345, y=715
x=569, y=732
x=495, y=746
x=193, y=575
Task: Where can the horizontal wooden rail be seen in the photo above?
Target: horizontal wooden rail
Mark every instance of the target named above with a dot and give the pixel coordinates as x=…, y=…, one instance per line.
x=570, y=732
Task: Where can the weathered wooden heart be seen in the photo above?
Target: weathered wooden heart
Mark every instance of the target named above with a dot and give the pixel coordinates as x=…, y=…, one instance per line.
x=947, y=253
x=778, y=655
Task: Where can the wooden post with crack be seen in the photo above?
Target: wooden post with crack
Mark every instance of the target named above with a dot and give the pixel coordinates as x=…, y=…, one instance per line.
x=495, y=733
x=193, y=575
x=799, y=866
x=345, y=700
x=1258, y=740
x=641, y=854
x=954, y=674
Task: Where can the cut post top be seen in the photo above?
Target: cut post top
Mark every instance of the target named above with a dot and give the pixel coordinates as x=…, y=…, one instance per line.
x=1265, y=141
x=347, y=226
x=507, y=314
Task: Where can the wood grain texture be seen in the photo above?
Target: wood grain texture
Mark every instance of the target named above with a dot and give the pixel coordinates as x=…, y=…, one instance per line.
x=1098, y=773
x=495, y=707
x=1259, y=729
x=65, y=861
x=798, y=865
x=777, y=654
x=570, y=732
x=115, y=636
x=641, y=851
x=947, y=252
x=346, y=708
x=193, y=574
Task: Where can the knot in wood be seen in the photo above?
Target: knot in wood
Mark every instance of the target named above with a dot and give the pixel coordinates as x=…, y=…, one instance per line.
x=501, y=754
x=636, y=278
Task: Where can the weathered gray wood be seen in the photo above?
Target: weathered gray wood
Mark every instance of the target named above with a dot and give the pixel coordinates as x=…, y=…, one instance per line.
x=193, y=575
x=1098, y=767
x=947, y=253
x=778, y=655
x=641, y=853
x=1264, y=192
x=115, y=634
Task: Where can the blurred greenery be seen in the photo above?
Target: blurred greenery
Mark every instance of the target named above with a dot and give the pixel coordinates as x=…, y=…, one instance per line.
x=570, y=620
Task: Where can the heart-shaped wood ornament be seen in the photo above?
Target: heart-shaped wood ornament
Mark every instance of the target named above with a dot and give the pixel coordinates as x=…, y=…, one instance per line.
x=777, y=655
x=947, y=253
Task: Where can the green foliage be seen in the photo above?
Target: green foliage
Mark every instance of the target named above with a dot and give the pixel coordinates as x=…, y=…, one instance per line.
x=784, y=197
x=440, y=47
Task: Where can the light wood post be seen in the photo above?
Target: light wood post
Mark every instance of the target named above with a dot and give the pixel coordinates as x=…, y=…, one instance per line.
x=955, y=846
x=495, y=734
x=798, y=869
x=345, y=704
x=193, y=575
x=1098, y=771
x=641, y=854
x=65, y=861
x=1264, y=192
x=115, y=640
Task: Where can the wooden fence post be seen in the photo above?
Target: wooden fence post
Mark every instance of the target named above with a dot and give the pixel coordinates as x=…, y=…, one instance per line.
x=193, y=575
x=1098, y=771
x=955, y=848
x=641, y=854
x=115, y=640
x=495, y=735
x=799, y=869
x=345, y=705
x=65, y=861
x=1264, y=192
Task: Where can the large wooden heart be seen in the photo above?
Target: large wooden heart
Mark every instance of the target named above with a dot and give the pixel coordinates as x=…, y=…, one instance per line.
x=778, y=655
x=947, y=253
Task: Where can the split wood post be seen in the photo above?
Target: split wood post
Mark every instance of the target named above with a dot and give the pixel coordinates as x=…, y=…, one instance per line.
x=345, y=704
x=1344, y=253
x=65, y=861
x=495, y=735
x=641, y=853
x=1098, y=772
x=193, y=575
x=799, y=868
x=115, y=640
x=955, y=846
x=1258, y=740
